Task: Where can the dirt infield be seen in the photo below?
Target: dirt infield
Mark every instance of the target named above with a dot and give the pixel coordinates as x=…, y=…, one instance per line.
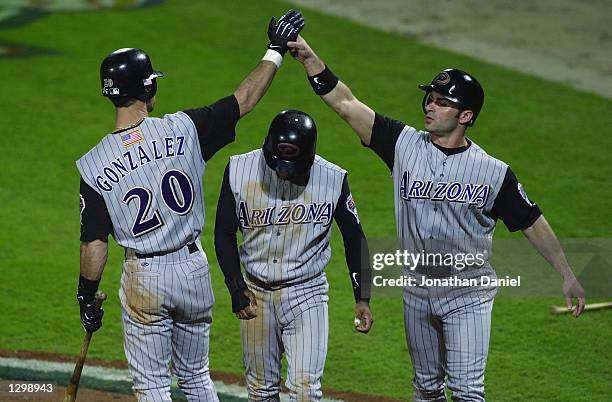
x=58, y=394
x=562, y=40
x=94, y=395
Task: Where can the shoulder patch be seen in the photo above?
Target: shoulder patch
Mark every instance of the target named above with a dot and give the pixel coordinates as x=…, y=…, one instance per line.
x=523, y=194
x=82, y=205
x=350, y=205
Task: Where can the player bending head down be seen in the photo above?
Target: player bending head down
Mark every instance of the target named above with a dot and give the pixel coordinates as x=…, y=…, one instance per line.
x=283, y=199
x=289, y=148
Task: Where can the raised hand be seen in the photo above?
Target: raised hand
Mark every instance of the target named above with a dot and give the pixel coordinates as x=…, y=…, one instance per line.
x=302, y=52
x=285, y=30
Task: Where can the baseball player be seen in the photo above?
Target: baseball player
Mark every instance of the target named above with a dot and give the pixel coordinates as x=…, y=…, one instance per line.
x=448, y=196
x=142, y=183
x=283, y=198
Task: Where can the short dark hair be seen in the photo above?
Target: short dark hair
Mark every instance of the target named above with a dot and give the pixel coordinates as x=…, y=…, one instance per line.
x=123, y=101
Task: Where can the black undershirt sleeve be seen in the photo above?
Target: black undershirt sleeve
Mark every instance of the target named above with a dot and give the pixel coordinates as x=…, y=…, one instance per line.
x=355, y=244
x=512, y=205
x=226, y=226
x=216, y=124
x=385, y=133
x=95, y=220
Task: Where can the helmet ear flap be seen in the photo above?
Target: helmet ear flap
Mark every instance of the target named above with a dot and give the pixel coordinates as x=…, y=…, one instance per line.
x=151, y=89
x=271, y=160
x=425, y=101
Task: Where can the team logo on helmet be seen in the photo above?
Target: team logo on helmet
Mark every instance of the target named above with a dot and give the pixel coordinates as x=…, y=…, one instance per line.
x=442, y=79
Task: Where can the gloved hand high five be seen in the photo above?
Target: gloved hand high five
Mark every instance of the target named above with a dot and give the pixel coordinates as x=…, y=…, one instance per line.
x=285, y=30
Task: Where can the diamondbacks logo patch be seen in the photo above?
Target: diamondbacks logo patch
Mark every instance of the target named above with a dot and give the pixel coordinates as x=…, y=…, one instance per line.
x=82, y=206
x=523, y=194
x=442, y=79
x=350, y=205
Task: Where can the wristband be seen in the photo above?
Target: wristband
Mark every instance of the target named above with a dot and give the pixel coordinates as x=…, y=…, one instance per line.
x=273, y=56
x=324, y=82
x=87, y=289
x=361, y=294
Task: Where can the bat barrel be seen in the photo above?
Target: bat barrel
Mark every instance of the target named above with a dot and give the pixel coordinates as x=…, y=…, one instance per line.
x=556, y=310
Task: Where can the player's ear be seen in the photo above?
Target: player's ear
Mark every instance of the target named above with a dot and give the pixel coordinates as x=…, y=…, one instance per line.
x=465, y=116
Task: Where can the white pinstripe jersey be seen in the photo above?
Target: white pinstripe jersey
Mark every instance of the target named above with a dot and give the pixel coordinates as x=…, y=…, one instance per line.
x=442, y=202
x=150, y=177
x=286, y=227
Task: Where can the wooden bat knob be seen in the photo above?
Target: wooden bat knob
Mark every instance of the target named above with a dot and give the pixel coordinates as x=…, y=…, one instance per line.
x=99, y=297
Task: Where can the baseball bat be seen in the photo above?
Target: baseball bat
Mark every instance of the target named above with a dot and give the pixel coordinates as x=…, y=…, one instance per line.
x=556, y=310
x=73, y=386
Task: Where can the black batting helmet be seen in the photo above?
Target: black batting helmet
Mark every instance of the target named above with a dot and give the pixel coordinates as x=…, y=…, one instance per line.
x=459, y=87
x=128, y=73
x=290, y=146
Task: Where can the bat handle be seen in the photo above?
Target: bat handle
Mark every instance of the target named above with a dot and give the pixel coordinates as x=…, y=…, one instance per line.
x=73, y=386
x=99, y=297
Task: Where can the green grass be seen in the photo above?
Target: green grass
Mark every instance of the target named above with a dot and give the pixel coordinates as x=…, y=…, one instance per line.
x=556, y=140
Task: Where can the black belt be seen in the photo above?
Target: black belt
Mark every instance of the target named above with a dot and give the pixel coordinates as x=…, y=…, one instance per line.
x=192, y=247
x=276, y=285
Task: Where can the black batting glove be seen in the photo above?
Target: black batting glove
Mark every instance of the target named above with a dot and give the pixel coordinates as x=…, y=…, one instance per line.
x=91, y=312
x=293, y=17
x=91, y=316
x=285, y=30
x=239, y=301
x=236, y=288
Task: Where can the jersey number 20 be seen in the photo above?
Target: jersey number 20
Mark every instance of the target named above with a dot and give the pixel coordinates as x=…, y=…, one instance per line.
x=176, y=191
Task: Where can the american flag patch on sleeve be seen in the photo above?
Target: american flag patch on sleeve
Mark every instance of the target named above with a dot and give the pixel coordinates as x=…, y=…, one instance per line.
x=132, y=138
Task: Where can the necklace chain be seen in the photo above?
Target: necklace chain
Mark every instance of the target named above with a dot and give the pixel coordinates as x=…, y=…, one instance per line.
x=130, y=126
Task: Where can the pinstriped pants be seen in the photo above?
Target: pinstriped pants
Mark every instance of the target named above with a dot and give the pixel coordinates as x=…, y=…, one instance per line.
x=167, y=313
x=292, y=320
x=448, y=330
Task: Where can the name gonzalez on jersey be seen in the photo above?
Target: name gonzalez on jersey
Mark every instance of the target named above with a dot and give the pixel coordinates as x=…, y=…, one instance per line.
x=117, y=169
x=291, y=213
x=471, y=194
